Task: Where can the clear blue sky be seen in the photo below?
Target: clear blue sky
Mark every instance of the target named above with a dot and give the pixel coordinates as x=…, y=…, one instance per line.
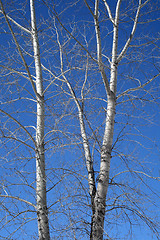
x=139, y=119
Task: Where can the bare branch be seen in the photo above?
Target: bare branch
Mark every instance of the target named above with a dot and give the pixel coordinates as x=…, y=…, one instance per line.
x=19, y=125
x=17, y=24
x=20, y=199
x=109, y=11
x=132, y=33
x=19, y=50
x=89, y=8
x=80, y=44
x=134, y=171
x=19, y=140
x=22, y=74
x=85, y=80
x=139, y=87
x=117, y=12
x=99, y=50
x=89, y=162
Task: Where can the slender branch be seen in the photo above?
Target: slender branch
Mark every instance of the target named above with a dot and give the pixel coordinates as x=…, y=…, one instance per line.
x=58, y=19
x=109, y=11
x=117, y=12
x=19, y=50
x=16, y=71
x=89, y=8
x=18, y=140
x=20, y=199
x=54, y=76
x=19, y=125
x=84, y=83
x=134, y=171
x=99, y=50
x=17, y=99
x=139, y=87
x=89, y=162
x=17, y=24
x=132, y=33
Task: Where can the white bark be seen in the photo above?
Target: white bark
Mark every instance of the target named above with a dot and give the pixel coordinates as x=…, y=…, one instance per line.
x=132, y=33
x=17, y=24
x=88, y=158
x=102, y=187
x=19, y=49
x=99, y=50
x=86, y=147
x=42, y=213
x=89, y=162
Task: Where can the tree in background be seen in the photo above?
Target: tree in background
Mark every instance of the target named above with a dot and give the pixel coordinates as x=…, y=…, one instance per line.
x=37, y=86
x=96, y=73
x=98, y=194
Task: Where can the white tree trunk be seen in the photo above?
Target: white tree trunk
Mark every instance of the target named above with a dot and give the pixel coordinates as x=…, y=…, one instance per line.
x=102, y=187
x=42, y=213
x=98, y=213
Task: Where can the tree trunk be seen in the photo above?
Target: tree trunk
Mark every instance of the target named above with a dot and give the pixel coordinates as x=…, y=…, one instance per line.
x=100, y=197
x=99, y=204
x=42, y=212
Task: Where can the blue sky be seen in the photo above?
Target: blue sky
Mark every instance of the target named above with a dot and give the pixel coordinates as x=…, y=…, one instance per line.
x=136, y=124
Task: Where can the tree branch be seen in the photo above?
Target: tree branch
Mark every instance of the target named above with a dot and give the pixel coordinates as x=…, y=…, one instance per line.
x=99, y=50
x=19, y=50
x=19, y=125
x=16, y=71
x=132, y=33
x=109, y=11
x=139, y=87
x=17, y=24
x=20, y=199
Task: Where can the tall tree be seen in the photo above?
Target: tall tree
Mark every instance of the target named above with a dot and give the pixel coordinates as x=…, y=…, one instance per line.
x=98, y=192
x=76, y=81
x=42, y=212
x=37, y=85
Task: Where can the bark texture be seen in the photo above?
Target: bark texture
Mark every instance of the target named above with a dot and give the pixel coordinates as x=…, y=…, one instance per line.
x=102, y=187
x=99, y=203
x=42, y=212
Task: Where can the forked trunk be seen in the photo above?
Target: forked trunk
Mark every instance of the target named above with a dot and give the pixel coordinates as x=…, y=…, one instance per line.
x=99, y=204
